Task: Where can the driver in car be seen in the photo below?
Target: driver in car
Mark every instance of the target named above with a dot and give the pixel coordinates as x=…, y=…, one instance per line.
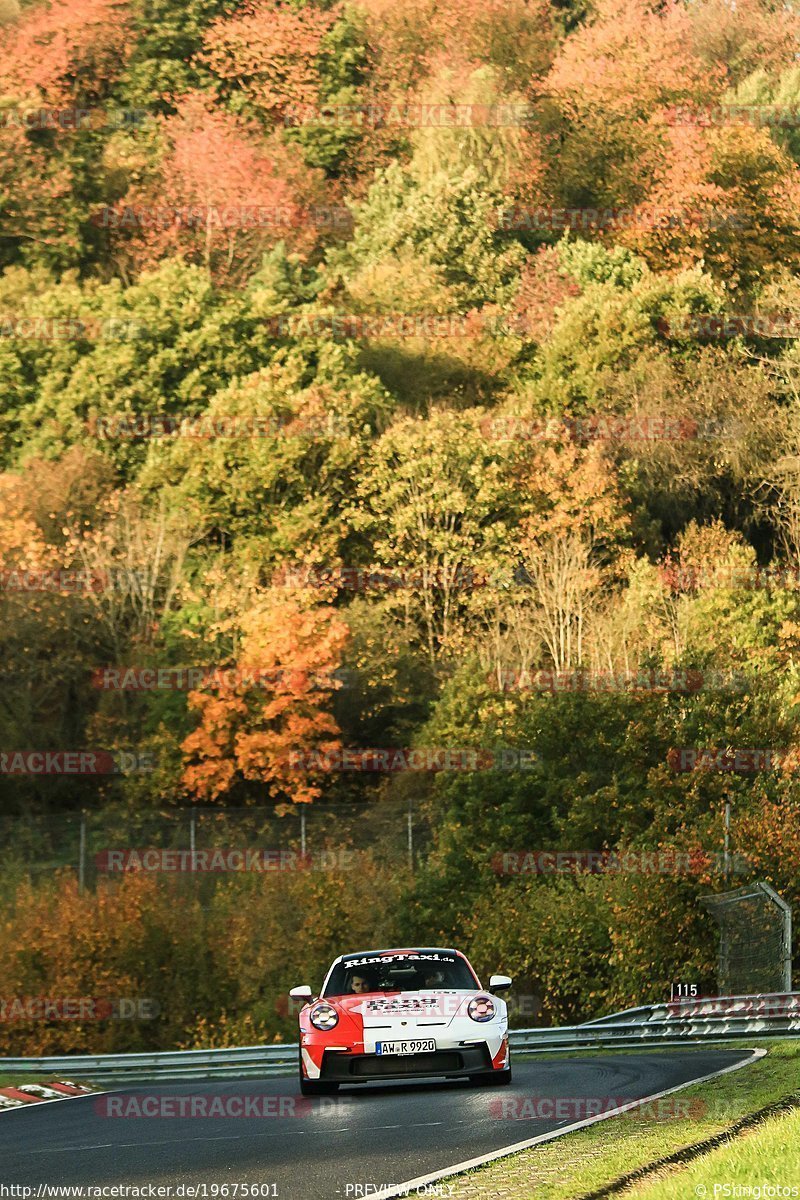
x=359, y=982
x=434, y=979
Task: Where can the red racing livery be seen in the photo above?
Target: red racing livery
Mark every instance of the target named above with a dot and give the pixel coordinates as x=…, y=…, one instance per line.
x=400, y=1014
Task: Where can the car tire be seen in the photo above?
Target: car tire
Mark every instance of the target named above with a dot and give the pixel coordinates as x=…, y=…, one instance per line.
x=492, y=1079
x=315, y=1087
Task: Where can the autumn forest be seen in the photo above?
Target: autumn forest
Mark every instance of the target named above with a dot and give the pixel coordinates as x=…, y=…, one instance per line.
x=399, y=414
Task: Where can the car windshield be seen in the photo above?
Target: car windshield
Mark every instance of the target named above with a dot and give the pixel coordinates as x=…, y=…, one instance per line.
x=414, y=971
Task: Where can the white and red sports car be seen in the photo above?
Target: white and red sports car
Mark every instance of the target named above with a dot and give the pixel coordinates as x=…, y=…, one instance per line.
x=400, y=1014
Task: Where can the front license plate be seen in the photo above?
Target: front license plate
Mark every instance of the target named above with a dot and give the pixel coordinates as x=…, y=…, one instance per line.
x=418, y=1047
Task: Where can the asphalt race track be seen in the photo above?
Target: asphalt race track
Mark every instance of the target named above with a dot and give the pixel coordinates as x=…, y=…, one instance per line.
x=322, y=1148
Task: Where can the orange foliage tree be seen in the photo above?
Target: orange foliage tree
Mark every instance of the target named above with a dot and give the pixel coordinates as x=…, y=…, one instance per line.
x=515, y=35
x=741, y=36
x=270, y=49
x=273, y=706
x=120, y=946
x=57, y=54
x=607, y=85
x=729, y=197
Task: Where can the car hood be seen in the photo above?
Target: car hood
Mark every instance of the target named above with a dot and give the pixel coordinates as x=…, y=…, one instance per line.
x=383, y=1010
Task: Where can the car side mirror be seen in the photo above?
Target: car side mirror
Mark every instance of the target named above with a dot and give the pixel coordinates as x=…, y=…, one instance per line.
x=500, y=983
x=303, y=992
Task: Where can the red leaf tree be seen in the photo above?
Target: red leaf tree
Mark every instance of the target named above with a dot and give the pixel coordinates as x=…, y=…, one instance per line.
x=65, y=49
x=220, y=197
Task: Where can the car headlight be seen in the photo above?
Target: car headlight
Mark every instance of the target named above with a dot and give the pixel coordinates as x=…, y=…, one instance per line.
x=324, y=1017
x=481, y=1008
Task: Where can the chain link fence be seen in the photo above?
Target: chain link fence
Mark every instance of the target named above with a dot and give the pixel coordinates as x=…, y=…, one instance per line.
x=212, y=841
x=755, y=950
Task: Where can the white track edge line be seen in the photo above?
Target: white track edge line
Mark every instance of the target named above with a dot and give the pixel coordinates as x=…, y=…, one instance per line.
x=402, y=1189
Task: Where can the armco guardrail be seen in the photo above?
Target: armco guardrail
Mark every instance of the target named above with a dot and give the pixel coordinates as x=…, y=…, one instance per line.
x=235, y=1063
x=689, y=1022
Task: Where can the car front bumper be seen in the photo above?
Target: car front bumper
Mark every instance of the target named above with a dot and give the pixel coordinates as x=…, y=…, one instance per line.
x=344, y=1067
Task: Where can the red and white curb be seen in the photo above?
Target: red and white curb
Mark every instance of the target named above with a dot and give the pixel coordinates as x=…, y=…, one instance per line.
x=38, y=1093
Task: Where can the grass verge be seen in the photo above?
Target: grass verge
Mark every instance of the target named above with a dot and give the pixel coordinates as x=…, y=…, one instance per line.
x=767, y=1157
x=592, y=1159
